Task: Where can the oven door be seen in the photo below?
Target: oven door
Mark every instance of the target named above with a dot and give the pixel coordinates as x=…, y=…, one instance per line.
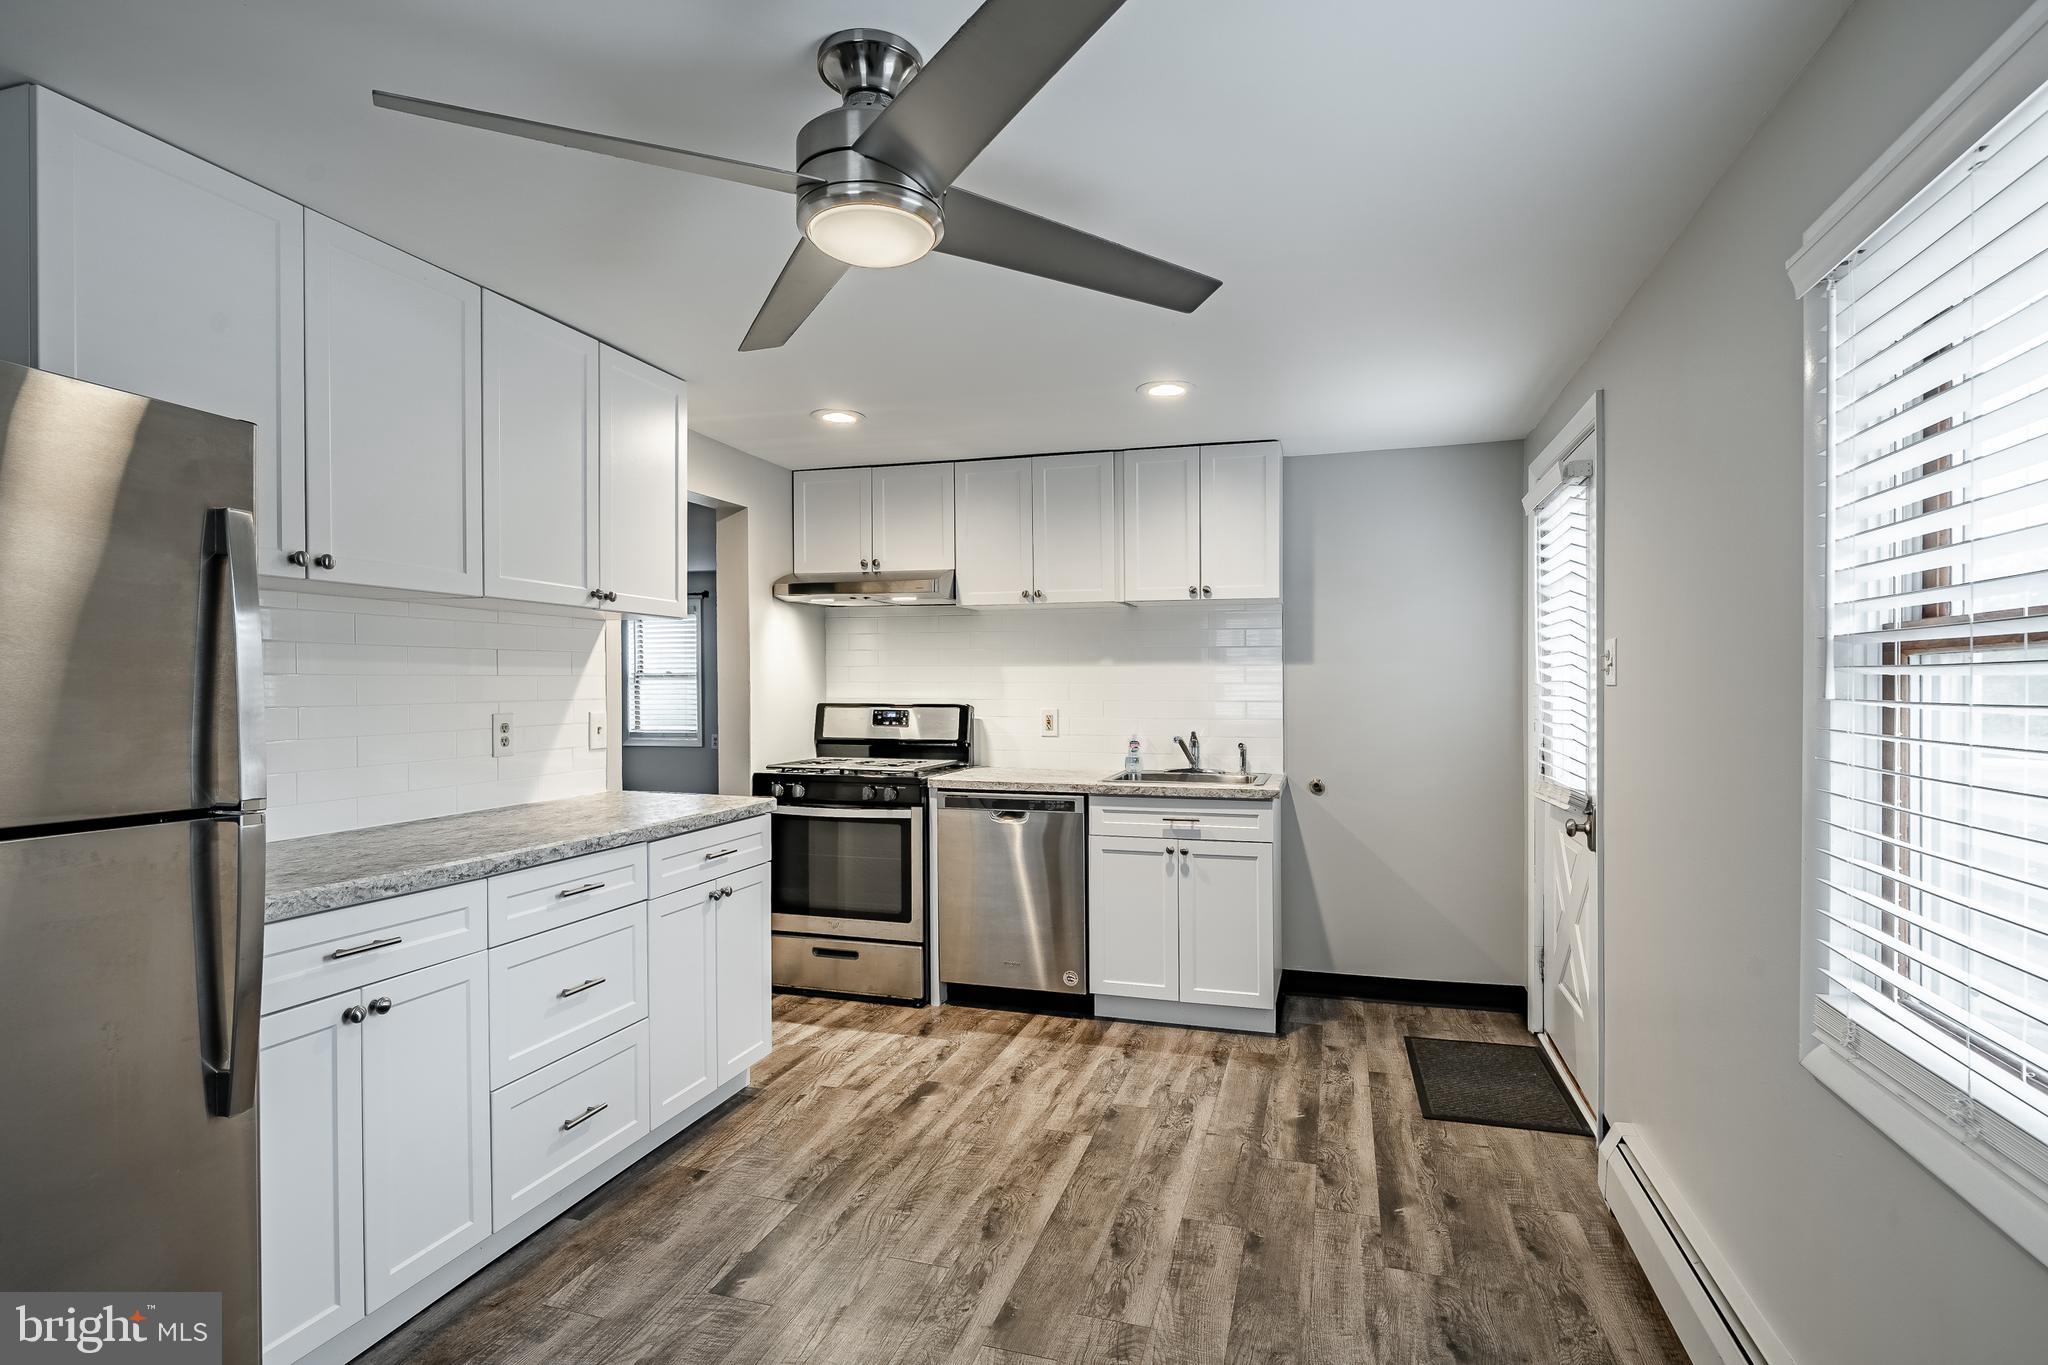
x=849, y=872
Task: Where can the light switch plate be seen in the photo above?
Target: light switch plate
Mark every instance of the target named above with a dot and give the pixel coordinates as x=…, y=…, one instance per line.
x=1049, y=722
x=1610, y=668
x=504, y=735
x=596, y=730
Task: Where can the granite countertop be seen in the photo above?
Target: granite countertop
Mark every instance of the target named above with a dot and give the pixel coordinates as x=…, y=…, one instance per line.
x=1093, y=782
x=329, y=871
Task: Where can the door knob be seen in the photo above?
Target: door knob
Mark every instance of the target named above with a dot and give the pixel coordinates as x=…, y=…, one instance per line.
x=1574, y=828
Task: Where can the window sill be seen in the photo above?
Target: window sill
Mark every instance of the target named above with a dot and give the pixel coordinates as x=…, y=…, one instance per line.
x=2014, y=1204
x=660, y=742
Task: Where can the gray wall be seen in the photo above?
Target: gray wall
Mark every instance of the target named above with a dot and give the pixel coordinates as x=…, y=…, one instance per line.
x=687, y=767
x=1402, y=680
x=1854, y=1253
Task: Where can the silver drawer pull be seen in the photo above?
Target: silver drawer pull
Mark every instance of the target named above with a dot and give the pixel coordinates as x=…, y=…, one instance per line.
x=1180, y=819
x=722, y=853
x=372, y=946
x=567, y=991
x=586, y=1116
x=582, y=890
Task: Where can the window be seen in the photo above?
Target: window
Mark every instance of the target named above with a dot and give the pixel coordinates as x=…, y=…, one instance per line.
x=1564, y=636
x=664, y=704
x=1928, y=899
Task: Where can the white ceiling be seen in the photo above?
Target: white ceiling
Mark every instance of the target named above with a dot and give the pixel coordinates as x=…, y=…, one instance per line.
x=1423, y=214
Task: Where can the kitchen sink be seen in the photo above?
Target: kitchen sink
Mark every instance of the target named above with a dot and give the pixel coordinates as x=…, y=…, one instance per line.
x=1172, y=775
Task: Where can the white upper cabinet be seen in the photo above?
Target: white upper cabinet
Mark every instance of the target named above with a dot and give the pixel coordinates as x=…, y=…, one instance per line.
x=394, y=417
x=1076, y=550
x=541, y=476
x=1162, y=507
x=992, y=504
x=912, y=517
x=646, y=489
x=834, y=527
x=152, y=271
x=1241, y=521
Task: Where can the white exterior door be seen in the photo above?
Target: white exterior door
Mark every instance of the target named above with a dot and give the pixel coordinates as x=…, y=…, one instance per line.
x=1571, y=948
x=1162, y=511
x=541, y=510
x=1226, y=924
x=1134, y=918
x=311, y=1143
x=833, y=522
x=161, y=274
x=682, y=1003
x=426, y=1123
x=913, y=517
x=1076, y=549
x=746, y=985
x=1241, y=521
x=394, y=416
x=992, y=506
x=642, y=450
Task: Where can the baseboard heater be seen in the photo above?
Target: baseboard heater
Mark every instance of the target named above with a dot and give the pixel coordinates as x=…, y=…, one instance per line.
x=1715, y=1319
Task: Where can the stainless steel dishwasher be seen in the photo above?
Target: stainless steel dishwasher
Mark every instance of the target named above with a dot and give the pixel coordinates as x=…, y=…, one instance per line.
x=1013, y=891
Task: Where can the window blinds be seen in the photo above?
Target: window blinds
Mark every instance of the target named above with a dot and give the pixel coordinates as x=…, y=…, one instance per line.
x=1931, y=895
x=662, y=700
x=1564, y=639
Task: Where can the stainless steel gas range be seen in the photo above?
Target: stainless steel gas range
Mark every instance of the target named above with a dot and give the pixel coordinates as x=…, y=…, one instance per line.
x=851, y=909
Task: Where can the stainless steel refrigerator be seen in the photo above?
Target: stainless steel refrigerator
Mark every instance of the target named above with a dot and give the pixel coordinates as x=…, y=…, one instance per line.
x=131, y=848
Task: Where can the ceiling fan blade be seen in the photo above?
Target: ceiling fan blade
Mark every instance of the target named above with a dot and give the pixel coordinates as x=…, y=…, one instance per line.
x=983, y=230
x=807, y=277
x=652, y=153
x=974, y=85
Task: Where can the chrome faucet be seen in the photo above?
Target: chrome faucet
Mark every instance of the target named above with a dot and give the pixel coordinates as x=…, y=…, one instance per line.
x=1194, y=754
x=1244, y=761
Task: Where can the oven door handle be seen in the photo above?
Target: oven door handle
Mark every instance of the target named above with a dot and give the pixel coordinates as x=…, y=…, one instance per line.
x=899, y=813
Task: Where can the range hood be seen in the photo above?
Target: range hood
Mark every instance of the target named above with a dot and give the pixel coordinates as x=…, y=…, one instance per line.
x=894, y=589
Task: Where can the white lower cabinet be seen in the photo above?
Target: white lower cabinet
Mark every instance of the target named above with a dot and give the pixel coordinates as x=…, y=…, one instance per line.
x=746, y=990
x=1133, y=919
x=426, y=1124
x=565, y=1119
x=682, y=1015
x=1226, y=924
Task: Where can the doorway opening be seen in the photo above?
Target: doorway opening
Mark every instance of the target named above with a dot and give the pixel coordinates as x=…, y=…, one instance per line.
x=669, y=688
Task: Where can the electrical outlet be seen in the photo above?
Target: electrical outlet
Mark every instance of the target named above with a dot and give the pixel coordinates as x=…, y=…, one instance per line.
x=596, y=730
x=1049, y=722
x=503, y=735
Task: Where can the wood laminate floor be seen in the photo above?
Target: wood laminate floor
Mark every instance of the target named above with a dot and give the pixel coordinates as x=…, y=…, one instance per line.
x=976, y=1187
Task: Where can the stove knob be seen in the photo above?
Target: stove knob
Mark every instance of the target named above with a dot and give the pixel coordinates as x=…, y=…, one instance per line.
x=867, y=793
x=888, y=793
x=797, y=791
x=776, y=791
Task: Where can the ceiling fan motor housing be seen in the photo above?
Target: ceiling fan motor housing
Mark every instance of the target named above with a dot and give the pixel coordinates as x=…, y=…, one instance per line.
x=869, y=68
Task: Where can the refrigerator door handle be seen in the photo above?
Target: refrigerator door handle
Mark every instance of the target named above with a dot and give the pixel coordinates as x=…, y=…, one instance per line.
x=231, y=969
x=231, y=706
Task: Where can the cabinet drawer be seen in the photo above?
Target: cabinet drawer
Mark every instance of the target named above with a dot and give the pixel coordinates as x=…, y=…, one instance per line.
x=565, y=1119
x=536, y=898
x=1136, y=817
x=687, y=859
x=339, y=950
x=552, y=993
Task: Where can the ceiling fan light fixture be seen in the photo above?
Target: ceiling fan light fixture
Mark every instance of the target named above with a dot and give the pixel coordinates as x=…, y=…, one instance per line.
x=1165, y=388
x=870, y=224
x=837, y=417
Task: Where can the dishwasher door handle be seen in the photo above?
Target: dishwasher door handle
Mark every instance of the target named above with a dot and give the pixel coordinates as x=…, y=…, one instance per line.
x=1010, y=817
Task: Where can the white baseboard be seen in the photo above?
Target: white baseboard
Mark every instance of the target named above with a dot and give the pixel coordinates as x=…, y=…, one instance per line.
x=1716, y=1320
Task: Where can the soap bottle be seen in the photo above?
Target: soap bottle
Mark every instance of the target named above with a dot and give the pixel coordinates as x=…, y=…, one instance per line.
x=1134, y=762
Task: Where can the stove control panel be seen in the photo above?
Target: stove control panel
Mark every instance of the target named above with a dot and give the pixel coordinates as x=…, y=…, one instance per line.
x=838, y=791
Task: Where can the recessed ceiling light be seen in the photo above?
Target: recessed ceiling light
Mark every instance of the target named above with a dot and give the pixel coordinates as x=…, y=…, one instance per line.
x=1165, y=388
x=837, y=417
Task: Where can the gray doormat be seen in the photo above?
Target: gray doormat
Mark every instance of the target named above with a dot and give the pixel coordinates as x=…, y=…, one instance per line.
x=1505, y=1085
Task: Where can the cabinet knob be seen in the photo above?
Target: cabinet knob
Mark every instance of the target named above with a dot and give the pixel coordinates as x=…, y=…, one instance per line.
x=297, y=558
x=353, y=1015
x=1205, y=590
x=878, y=564
x=863, y=564
x=611, y=596
x=1026, y=594
x=1037, y=594
x=381, y=1005
x=1191, y=590
x=323, y=561
x=597, y=594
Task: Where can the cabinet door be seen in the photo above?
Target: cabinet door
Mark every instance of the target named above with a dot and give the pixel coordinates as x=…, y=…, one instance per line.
x=1241, y=521
x=310, y=1121
x=833, y=528
x=166, y=276
x=746, y=989
x=1078, y=555
x=992, y=504
x=541, y=509
x=682, y=1000
x=1162, y=509
x=394, y=416
x=426, y=1123
x=1133, y=918
x=646, y=495
x=1226, y=924
x=912, y=517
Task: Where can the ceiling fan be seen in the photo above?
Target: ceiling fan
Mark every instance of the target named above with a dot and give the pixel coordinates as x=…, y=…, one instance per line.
x=874, y=178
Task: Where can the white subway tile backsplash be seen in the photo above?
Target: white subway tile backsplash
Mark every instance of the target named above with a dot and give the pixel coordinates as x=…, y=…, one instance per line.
x=1111, y=671
x=379, y=711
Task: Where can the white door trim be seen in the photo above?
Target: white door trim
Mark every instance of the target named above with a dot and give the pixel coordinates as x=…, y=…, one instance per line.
x=1582, y=437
